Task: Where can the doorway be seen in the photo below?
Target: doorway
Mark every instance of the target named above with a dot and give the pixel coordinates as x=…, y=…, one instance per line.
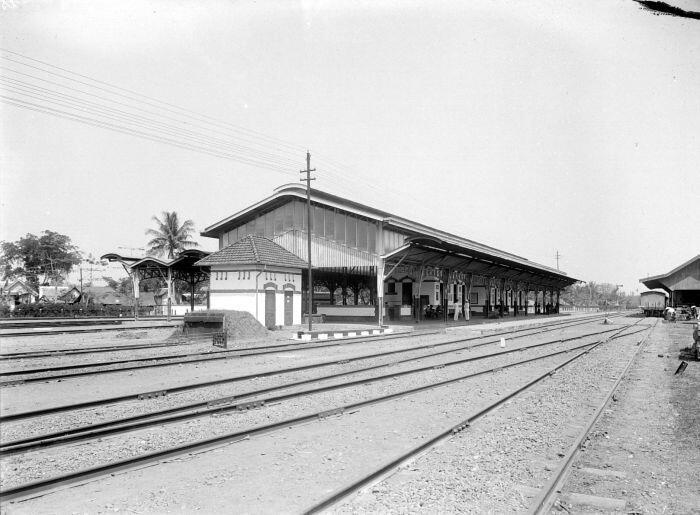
x=270, y=309
x=288, y=307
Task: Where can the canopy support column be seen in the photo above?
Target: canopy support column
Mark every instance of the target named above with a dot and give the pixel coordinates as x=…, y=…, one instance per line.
x=170, y=290
x=380, y=292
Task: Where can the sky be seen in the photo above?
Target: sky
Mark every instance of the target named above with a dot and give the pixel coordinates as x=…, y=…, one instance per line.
x=534, y=127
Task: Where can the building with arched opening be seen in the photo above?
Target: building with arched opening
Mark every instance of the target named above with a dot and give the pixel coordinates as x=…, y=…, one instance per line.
x=369, y=264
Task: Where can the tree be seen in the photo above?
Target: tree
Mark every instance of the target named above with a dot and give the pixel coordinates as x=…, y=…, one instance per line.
x=40, y=260
x=169, y=237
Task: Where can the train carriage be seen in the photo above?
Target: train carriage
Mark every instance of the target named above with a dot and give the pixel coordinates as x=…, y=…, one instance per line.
x=653, y=303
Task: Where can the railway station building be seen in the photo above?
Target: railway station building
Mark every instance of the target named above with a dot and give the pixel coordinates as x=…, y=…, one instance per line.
x=682, y=283
x=371, y=265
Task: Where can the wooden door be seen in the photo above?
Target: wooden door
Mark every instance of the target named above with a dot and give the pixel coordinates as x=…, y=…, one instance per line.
x=270, y=309
x=288, y=307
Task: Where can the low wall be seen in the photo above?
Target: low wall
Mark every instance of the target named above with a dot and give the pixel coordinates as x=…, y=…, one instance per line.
x=346, y=311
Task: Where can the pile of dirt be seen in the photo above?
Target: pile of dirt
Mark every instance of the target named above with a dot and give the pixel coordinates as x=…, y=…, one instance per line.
x=241, y=325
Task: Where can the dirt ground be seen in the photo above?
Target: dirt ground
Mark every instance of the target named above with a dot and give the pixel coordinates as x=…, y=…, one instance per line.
x=645, y=449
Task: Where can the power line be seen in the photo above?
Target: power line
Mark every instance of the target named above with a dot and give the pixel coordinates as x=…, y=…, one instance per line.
x=256, y=153
x=143, y=122
x=340, y=172
x=183, y=110
x=105, y=125
x=287, y=160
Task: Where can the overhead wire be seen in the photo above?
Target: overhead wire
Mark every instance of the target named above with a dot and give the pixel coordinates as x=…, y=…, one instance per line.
x=258, y=153
x=105, y=125
x=287, y=160
x=181, y=110
x=126, y=117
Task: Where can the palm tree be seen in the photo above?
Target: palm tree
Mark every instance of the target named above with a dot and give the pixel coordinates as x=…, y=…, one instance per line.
x=170, y=237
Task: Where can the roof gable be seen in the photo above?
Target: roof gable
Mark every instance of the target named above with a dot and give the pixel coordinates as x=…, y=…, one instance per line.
x=684, y=277
x=253, y=250
x=19, y=287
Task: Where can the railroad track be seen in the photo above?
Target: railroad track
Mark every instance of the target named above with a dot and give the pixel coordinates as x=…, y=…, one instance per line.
x=161, y=361
x=238, y=403
x=199, y=338
x=215, y=382
x=86, y=330
x=211, y=355
x=87, y=350
x=387, y=469
x=37, y=487
x=549, y=493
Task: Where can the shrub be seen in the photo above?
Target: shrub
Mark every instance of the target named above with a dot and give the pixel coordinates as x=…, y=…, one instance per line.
x=48, y=309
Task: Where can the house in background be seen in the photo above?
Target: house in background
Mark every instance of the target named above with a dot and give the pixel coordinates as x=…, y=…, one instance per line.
x=70, y=297
x=53, y=293
x=17, y=293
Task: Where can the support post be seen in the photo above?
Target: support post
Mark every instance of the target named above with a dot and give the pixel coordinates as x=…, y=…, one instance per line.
x=502, y=287
x=380, y=292
x=310, y=295
x=445, y=292
x=136, y=285
x=170, y=289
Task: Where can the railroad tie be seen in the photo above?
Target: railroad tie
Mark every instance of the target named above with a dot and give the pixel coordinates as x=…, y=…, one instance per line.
x=330, y=413
x=152, y=395
x=460, y=428
x=250, y=405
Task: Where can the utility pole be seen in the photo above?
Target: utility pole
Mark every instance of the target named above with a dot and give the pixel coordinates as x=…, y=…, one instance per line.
x=557, y=255
x=308, y=179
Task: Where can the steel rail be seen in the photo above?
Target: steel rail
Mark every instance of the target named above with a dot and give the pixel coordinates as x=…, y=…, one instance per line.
x=49, y=353
x=75, y=322
x=226, y=404
x=185, y=340
x=230, y=354
x=85, y=330
x=214, y=382
x=212, y=355
x=43, y=485
x=386, y=469
x=546, y=498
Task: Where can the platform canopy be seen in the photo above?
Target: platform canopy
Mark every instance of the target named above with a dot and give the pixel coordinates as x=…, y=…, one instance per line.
x=682, y=283
x=182, y=268
x=435, y=256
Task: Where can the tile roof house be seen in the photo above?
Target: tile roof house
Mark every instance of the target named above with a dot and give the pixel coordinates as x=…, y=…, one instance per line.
x=257, y=275
x=253, y=249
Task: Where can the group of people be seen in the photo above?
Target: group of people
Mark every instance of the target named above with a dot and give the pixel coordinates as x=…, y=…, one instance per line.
x=670, y=314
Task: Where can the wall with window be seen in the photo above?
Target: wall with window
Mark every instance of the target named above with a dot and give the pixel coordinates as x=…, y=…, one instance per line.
x=329, y=223
x=243, y=288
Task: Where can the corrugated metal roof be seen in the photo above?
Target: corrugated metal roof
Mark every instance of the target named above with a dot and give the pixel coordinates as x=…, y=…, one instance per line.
x=284, y=192
x=253, y=250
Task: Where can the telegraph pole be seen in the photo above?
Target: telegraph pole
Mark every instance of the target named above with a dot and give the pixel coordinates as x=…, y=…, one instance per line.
x=308, y=179
x=557, y=255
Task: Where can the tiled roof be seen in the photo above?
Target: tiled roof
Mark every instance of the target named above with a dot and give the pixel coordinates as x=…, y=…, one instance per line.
x=253, y=250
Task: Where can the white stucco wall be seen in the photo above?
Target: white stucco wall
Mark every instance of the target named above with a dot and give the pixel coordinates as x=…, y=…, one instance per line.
x=242, y=288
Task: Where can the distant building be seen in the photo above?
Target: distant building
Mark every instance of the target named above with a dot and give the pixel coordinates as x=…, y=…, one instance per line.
x=18, y=292
x=368, y=263
x=257, y=275
x=682, y=283
x=52, y=293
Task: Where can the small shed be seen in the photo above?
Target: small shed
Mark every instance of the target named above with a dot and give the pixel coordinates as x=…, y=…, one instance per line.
x=17, y=293
x=256, y=275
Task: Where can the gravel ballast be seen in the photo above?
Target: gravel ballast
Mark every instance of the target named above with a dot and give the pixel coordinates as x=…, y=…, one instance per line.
x=443, y=401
